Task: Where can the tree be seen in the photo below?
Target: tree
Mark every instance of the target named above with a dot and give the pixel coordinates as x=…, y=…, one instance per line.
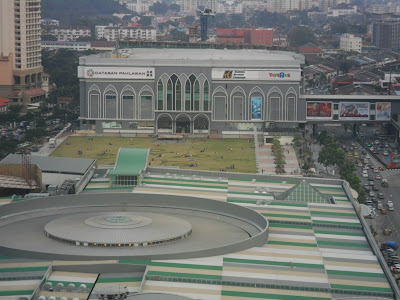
x=7, y=146
x=330, y=156
x=344, y=67
x=177, y=35
x=145, y=21
x=300, y=35
x=189, y=20
x=84, y=39
x=237, y=20
x=297, y=140
x=34, y=135
x=159, y=8
x=338, y=28
x=68, y=12
x=49, y=37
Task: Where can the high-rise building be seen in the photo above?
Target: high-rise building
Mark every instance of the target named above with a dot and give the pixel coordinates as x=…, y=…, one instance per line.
x=386, y=34
x=20, y=51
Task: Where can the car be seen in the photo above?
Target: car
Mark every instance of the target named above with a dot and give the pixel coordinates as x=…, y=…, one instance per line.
x=350, y=155
x=376, y=170
x=390, y=202
x=379, y=206
x=365, y=174
x=371, y=183
x=373, y=199
x=369, y=202
x=383, y=211
x=395, y=269
x=367, y=156
x=378, y=177
x=371, y=194
x=366, y=188
x=376, y=188
x=370, y=178
x=360, y=164
x=366, y=167
x=385, y=153
x=380, y=195
x=356, y=155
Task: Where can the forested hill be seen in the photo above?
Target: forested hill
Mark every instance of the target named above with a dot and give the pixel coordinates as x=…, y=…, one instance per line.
x=68, y=11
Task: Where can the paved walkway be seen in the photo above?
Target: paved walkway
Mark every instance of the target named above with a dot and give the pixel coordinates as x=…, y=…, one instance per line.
x=292, y=165
x=265, y=158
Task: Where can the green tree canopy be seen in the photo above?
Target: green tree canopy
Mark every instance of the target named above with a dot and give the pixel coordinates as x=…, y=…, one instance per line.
x=330, y=156
x=300, y=35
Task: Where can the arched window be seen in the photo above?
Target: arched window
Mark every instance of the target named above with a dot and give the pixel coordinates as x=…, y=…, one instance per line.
x=94, y=102
x=110, y=105
x=160, y=95
x=128, y=105
x=196, y=96
x=169, y=95
x=188, y=95
x=178, y=95
x=206, y=95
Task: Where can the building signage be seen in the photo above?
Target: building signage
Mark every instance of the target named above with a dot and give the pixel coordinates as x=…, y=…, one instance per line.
x=319, y=110
x=238, y=74
x=256, y=108
x=354, y=110
x=245, y=74
x=115, y=73
x=383, y=111
x=280, y=75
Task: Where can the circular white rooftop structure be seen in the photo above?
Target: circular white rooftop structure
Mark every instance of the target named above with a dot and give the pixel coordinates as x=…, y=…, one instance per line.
x=127, y=226
x=118, y=229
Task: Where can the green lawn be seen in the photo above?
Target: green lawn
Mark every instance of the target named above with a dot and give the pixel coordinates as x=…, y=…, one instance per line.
x=242, y=154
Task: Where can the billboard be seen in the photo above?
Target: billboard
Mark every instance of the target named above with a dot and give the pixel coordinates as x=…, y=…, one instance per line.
x=354, y=110
x=115, y=73
x=319, y=110
x=248, y=74
x=256, y=107
x=383, y=111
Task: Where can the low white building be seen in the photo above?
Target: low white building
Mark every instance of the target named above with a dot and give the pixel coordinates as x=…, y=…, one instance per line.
x=342, y=10
x=349, y=42
x=50, y=22
x=112, y=33
x=75, y=46
x=67, y=33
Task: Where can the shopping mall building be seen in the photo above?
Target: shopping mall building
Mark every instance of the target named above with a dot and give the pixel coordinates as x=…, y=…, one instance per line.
x=210, y=92
x=195, y=91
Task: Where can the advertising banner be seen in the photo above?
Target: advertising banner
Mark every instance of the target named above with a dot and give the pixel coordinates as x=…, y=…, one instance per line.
x=383, y=110
x=115, y=73
x=247, y=74
x=256, y=107
x=319, y=110
x=354, y=110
